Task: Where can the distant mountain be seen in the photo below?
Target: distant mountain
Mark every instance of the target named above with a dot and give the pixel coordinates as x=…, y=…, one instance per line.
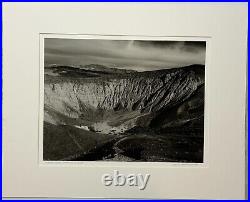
x=87, y=71
x=102, y=68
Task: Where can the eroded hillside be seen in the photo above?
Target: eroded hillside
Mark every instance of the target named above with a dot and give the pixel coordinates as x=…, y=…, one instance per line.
x=123, y=102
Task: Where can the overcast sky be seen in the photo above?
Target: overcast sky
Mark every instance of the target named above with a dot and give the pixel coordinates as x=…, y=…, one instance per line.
x=128, y=54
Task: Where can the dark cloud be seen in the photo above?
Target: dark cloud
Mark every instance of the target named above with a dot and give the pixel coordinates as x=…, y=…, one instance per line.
x=139, y=55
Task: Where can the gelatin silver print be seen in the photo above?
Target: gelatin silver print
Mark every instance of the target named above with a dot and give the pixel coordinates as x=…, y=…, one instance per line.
x=123, y=100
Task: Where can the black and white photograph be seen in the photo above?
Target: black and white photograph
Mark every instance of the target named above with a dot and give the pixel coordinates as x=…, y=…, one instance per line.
x=123, y=100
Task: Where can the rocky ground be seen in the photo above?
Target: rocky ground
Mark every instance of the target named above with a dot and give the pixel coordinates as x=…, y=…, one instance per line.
x=98, y=113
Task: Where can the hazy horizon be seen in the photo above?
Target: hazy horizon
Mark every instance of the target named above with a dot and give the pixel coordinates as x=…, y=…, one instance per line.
x=124, y=54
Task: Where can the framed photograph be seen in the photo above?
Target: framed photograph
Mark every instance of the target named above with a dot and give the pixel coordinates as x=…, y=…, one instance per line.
x=124, y=100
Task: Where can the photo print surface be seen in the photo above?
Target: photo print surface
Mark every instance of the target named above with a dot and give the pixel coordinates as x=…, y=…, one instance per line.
x=123, y=100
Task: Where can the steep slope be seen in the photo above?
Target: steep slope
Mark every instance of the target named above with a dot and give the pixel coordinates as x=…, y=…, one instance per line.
x=146, y=93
